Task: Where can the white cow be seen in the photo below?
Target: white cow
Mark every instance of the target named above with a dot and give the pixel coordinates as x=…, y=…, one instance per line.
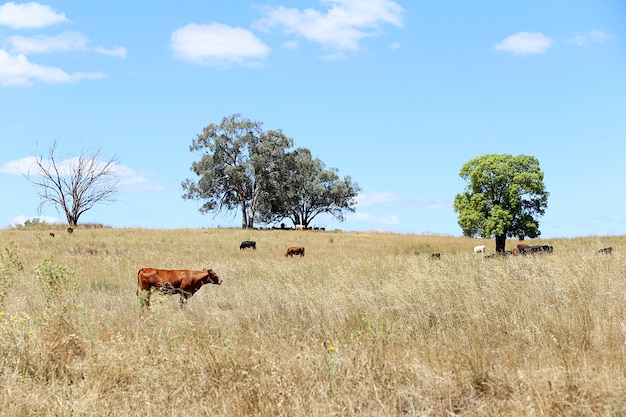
x=480, y=249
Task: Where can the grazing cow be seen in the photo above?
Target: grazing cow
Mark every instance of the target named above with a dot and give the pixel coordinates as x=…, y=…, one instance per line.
x=435, y=256
x=51, y=234
x=518, y=249
x=480, y=249
x=605, y=251
x=178, y=281
x=295, y=250
x=247, y=244
x=70, y=229
x=536, y=250
x=299, y=227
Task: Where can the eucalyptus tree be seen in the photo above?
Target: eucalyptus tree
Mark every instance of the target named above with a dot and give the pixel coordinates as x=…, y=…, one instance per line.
x=306, y=189
x=238, y=160
x=504, y=197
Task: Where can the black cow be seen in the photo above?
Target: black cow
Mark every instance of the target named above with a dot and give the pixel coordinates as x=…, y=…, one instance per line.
x=537, y=249
x=247, y=244
x=606, y=251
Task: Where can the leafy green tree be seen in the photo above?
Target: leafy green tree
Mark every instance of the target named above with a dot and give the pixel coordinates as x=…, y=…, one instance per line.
x=238, y=161
x=504, y=197
x=306, y=189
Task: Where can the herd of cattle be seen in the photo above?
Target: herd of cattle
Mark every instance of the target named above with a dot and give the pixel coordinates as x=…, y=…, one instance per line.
x=185, y=283
x=520, y=249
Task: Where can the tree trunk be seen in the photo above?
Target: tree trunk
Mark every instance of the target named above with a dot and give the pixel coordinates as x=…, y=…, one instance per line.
x=250, y=224
x=71, y=219
x=244, y=217
x=500, y=243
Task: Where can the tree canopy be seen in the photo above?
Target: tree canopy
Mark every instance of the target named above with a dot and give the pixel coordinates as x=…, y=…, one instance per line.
x=306, y=189
x=74, y=185
x=504, y=197
x=238, y=160
x=242, y=166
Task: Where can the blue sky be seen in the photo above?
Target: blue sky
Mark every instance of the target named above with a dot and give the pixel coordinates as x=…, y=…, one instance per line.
x=396, y=94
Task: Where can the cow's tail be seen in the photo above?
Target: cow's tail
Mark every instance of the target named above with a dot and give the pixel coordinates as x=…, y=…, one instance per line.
x=138, y=282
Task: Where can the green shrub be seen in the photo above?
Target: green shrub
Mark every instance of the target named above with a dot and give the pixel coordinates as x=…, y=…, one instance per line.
x=56, y=280
x=10, y=264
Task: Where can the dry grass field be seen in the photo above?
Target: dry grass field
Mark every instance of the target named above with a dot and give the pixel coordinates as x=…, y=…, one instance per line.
x=364, y=324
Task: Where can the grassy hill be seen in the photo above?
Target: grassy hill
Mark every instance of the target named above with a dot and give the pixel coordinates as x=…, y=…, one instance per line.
x=364, y=324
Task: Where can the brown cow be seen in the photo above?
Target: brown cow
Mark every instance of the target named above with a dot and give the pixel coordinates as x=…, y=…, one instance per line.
x=519, y=249
x=178, y=281
x=70, y=229
x=295, y=250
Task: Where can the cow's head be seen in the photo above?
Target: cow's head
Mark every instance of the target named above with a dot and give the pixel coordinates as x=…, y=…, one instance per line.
x=212, y=277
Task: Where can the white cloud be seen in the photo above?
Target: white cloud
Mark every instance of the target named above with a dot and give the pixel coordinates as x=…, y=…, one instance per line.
x=216, y=44
x=16, y=70
x=341, y=27
x=129, y=180
x=17, y=167
x=373, y=199
x=27, y=166
x=371, y=218
x=117, y=51
x=63, y=42
x=525, y=43
x=293, y=44
x=29, y=15
x=591, y=36
x=136, y=182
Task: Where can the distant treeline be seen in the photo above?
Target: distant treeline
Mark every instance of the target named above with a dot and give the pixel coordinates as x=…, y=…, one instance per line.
x=38, y=224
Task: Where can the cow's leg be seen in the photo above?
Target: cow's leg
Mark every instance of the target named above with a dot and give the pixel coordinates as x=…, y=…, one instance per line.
x=184, y=296
x=146, y=298
x=143, y=297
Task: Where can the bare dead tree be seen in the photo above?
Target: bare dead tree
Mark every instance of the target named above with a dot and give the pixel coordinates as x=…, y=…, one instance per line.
x=74, y=185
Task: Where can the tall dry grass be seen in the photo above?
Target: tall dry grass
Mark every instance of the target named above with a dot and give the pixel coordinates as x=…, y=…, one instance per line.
x=365, y=324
